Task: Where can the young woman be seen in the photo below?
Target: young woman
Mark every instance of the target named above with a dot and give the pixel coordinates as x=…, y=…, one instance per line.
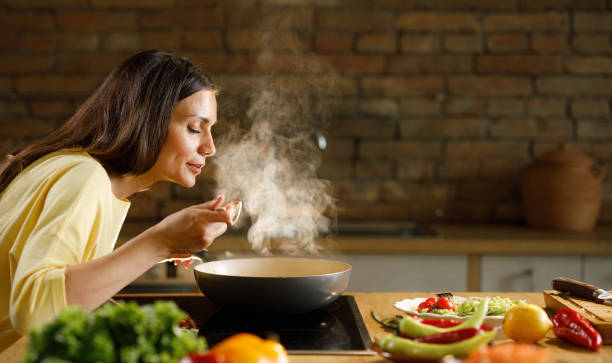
x=63, y=199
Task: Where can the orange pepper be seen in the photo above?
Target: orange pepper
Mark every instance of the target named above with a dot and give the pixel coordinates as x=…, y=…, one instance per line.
x=249, y=348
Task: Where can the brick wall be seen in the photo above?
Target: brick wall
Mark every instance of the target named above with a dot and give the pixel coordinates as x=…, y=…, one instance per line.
x=438, y=103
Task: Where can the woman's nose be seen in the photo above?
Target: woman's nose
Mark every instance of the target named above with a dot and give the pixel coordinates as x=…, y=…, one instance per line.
x=207, y=146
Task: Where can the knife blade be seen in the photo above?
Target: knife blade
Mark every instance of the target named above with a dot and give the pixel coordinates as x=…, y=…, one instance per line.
x=582, y=289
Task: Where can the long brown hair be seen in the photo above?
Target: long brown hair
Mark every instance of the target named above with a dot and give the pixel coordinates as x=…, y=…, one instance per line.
x=124, y=123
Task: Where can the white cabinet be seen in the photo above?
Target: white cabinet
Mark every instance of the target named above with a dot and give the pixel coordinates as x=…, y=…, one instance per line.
x=598, y=271
x=406, y=272
x=527, y=272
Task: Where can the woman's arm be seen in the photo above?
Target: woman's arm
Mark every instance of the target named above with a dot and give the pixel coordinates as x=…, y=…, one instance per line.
x=189, y=230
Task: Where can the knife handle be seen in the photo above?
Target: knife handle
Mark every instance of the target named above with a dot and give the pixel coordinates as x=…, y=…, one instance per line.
x=576, y=288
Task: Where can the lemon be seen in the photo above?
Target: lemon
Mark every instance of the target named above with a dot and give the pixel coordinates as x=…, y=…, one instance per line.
x=526, y=323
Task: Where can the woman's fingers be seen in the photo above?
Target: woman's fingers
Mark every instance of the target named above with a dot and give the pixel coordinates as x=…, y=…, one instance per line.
x=213, y=204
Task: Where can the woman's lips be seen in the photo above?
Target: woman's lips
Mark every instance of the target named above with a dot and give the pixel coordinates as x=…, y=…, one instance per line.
x=195, y=168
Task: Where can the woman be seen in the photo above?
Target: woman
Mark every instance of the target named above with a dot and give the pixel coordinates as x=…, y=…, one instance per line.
x=63, y=199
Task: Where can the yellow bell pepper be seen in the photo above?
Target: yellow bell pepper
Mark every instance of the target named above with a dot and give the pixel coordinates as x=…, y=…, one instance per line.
x=249, y=348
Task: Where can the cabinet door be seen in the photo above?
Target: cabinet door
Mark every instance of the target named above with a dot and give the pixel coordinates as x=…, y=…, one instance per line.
x=393, y=272
x=527, y=272
x=598, y=271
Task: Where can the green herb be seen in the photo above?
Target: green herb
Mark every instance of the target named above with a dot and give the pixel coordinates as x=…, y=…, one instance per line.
x=123, y=332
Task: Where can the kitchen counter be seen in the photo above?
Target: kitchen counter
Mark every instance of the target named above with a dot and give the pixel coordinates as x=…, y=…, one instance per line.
x=382, y=303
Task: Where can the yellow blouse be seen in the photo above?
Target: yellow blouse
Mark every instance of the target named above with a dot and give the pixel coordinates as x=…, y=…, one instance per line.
x=57, y=212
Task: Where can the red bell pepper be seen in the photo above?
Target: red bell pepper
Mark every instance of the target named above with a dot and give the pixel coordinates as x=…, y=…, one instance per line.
x=571, y=325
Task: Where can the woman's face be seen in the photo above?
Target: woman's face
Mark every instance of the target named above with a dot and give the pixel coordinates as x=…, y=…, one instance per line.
x=189, y=139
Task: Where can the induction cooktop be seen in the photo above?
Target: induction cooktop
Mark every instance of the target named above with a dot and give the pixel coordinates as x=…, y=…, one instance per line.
x=337, y=328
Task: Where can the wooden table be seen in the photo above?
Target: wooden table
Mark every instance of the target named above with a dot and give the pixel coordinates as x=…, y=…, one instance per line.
x=382, y=303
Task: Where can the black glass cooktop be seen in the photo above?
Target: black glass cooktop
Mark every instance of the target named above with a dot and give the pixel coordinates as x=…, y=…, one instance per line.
x=335, y=329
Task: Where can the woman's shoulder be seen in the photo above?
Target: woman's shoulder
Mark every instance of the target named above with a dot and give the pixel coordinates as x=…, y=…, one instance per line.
x=73, y=164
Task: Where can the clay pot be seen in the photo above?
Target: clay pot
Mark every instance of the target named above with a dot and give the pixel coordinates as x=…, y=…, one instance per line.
x=562, y=190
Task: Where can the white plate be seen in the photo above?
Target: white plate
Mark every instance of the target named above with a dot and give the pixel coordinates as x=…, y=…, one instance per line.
x=409, y=306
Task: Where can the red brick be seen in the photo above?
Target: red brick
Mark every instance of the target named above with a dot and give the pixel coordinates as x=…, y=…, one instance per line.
x=12, y=108
x=335, y=169
x=131, y=4
x=563, y=4
x=187, y=18
x=458, y=169
x=507, y=42
x=170, y=40
x=210, y=40
x=51, y=108
x=122, y=42
x=438, y=64
x=257, y=40
x=26, y=63
x=7, y=41
x=574, y=86
x=228, y=3
x=398, y=150
x=401, y=86
x=462, y=43
x=364, y=190
x=377, y=43
x=280, y=18
x=79, y=41
x=356, y=20
x=374, y=169
x=38, y=42
x=381, y=107
x=211, y=62
x=421, y=21
x=32, y=4
x=358, y=64
x=473, y=4
x=339, y=149
x=593, y=22
x=330, y=85
x=426, y=43
x=419, y=106
x=460, y=106
x=363, y=129
x=487, y=149
x=532, y=64
x=56, y=85
x=29, y=127
x=27, y=21
x=589, y=65
x=594, y=129
x=549, y=43
x=333, y=42
x=343, y=107
x=415, y=170
x=96, y=20
x=506, y=107
x=501, y=169
x=550, y=21
x=437, y=129
x=417, y=193
x=547, y=129
x=591, y=107
x=89, y=63
x=546, y=107
x=498, y=86
x=592, y=43
x=6, y=85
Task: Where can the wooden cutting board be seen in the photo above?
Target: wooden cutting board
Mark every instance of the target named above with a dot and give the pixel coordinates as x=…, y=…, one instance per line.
x=600, y=315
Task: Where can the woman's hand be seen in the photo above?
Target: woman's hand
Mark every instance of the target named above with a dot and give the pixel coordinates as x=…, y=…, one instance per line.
x=191, y=229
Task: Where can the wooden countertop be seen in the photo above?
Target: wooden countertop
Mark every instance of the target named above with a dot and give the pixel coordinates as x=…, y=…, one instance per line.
x=382, y=303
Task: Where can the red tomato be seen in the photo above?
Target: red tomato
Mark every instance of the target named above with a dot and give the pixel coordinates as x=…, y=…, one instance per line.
x=428, y=304
x=445, y=303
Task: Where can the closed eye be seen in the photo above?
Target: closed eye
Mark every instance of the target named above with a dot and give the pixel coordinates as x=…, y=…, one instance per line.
x=193, y=131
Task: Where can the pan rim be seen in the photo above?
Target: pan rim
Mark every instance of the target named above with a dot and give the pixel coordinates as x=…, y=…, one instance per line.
x=345, y=268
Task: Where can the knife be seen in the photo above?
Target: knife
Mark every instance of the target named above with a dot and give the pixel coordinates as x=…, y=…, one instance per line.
x=582, y=289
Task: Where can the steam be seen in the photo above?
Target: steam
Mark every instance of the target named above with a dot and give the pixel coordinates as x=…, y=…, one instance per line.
x=269, y=159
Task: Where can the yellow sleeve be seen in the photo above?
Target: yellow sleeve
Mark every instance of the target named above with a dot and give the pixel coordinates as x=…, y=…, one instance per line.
x=67, y=226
